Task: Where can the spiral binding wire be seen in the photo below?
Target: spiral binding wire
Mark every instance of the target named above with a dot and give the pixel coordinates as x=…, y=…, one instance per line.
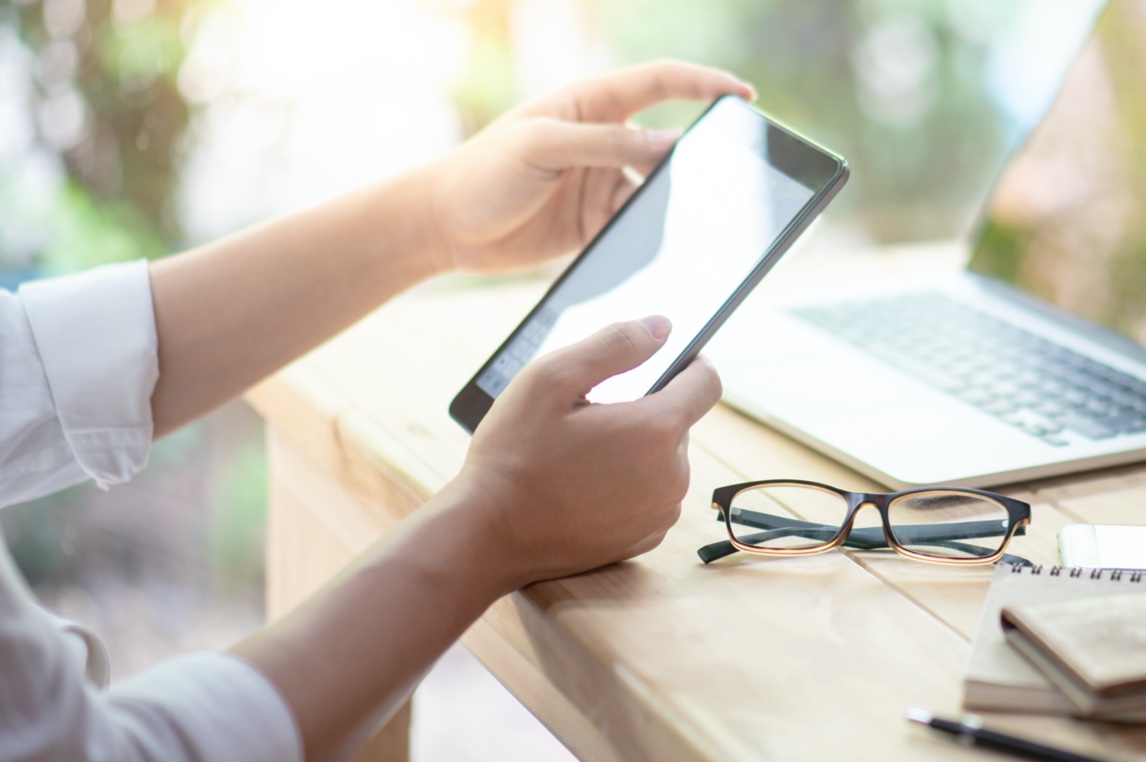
x=1114, y=575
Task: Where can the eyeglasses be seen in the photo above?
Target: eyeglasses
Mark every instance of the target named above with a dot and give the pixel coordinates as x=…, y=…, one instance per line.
x=951, y=525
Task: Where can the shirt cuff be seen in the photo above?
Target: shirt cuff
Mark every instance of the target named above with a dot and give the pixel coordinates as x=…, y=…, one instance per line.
x=95, y=333
x=224, y=709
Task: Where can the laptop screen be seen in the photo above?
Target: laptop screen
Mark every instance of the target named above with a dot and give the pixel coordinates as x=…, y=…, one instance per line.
x=1067, y=219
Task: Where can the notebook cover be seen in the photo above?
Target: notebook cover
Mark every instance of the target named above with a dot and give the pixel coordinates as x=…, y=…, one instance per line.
x=1093, y=649
x=996, y=676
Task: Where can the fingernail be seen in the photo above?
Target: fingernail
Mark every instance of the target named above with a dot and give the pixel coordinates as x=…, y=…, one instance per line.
x=663, y=138
x=656, y=325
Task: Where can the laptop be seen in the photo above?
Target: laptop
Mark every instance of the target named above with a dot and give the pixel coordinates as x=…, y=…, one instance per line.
x=1026, y=363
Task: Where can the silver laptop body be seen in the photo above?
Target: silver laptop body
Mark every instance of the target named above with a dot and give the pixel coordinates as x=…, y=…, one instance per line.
x=1028, y=362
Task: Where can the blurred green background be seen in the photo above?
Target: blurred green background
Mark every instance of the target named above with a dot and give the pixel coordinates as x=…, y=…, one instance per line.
x=136, y=128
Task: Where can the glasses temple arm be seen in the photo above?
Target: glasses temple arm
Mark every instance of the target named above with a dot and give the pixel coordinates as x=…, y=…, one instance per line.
x=910, y=533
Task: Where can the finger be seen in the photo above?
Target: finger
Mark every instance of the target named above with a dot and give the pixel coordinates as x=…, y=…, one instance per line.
x=554, y=145
x=619, y=95
x=642, y=171
x=623, y=190
x=612, y=350
x=691, y=394
x=603, y=193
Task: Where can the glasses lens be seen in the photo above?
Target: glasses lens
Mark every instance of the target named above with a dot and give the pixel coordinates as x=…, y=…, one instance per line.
x=949, y=524
x=788, y=516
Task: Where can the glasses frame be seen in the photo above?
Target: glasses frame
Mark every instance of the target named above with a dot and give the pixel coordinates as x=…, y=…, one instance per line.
x=1018, y=514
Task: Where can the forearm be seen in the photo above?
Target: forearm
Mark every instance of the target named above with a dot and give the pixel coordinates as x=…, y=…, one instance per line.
x=231, y=313
x=349, y=658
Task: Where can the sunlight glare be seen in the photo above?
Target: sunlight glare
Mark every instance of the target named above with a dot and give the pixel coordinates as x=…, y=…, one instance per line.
x=305, y=101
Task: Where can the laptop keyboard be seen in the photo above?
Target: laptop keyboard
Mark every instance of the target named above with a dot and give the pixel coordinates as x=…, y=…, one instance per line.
x=1026, y=381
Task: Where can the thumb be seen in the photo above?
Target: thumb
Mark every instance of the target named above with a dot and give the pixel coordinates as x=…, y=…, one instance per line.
x=612, y=350
x=557, y=145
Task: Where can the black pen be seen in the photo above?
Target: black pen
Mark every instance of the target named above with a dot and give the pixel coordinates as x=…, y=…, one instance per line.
x=970, y=731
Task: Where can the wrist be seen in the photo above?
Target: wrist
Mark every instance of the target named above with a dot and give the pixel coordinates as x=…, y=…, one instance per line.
x=431, y=182
x=405, y=203
x=457, y=538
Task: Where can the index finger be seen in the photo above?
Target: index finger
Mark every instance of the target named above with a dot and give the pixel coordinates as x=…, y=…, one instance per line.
x=692, y=393
x=617, y=96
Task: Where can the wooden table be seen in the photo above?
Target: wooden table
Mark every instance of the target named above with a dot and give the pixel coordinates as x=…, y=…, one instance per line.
x=661, y=658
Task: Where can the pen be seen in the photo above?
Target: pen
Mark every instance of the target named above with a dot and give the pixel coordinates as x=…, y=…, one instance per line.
x=970, y=731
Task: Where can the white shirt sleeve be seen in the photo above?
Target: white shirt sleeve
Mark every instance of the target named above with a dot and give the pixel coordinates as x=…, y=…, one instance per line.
x=78, y=363
x=205, y=707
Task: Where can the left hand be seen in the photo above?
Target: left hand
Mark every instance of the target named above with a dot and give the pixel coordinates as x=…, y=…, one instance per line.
x=543, y=179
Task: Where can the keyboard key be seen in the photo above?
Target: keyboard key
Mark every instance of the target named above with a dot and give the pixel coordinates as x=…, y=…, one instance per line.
x=1030, y=421
x=1000, y=406
x=1088, y=427
x=1132, y=425
x=1049, y=409
x=975, y=396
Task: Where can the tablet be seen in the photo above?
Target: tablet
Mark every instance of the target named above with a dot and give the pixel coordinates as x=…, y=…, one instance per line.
x=704, y=228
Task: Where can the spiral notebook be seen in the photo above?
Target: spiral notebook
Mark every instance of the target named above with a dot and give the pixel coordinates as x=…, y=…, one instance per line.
x=996, y=676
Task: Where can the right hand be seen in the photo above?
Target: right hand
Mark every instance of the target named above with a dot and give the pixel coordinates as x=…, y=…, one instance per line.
x=543, y=179
x=563, y=485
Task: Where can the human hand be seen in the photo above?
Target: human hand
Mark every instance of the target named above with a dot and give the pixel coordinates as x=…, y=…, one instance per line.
x=561, y=485
x=543, y=179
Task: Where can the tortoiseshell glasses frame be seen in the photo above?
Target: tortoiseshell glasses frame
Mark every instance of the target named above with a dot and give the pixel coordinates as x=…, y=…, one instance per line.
x=951, y=539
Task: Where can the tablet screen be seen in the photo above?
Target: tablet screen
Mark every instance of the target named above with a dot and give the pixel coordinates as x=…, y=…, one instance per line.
x=697, y=229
